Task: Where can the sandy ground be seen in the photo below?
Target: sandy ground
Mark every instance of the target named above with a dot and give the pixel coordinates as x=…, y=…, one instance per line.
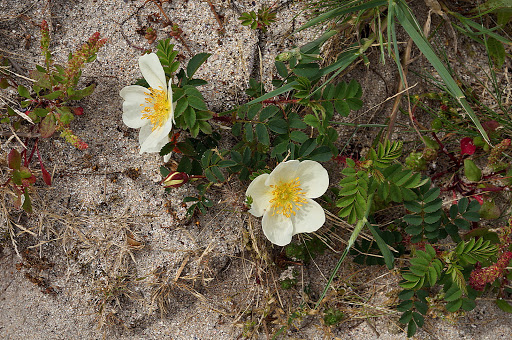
x=188, y=279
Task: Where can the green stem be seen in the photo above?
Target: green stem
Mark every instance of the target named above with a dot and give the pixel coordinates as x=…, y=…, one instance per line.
x=359, y=226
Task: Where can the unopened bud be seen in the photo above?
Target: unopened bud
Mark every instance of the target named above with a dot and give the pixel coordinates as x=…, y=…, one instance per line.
x=175, y=180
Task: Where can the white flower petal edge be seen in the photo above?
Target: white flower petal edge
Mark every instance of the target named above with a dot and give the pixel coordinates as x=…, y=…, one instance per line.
x=277, y=228
x=309, y=218
x=284, y=171
x=314, y=179
x=156, y=137
x=134, y=96
x=261, y=195
x=152, y=71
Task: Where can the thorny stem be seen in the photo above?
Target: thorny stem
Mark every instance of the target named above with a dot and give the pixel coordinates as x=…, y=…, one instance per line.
x=445, y=151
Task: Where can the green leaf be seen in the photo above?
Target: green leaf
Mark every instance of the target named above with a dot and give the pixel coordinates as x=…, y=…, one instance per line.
x=298, y=136
x=281, y=69
x=321, y=154
x=226, y=163
x=22, y=90
x=431, y=195
x=268, y=112
x=278, y=125
x=164, y=171
x=53, y=95
x=249, y=135
x=190, y=116
x=453, y=306
x=197, y=103
x=309, y=70
x=262, y=133
x=472, y=216
x=27, y=204
x=312, y=121
x=405, y=294
x=413, y=206
x=415, y=220
x=195, y=62
x=205, y=127
x=406, y=317
x=384, y=249
x=405, y=305
x=462, y=224
x=181, y=106
x=342, y=107
x=79, y=94
x=468, y=304
x=218, y=174
x=421, y=307
x=411, y=328
x=418, y=318
x=496, y=51
x=433, y=206
x=463, y=204
x=253, y=111
x=453, y=295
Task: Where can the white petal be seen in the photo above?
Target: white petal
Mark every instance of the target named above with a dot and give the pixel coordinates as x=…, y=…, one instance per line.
x=277, y=228
x=283, y=172
x=309, y=218
x=260, y=194
x=144, y=133
x=158, y=138
x=313, y=177
x=153, y=71
x=133, y=96
x=167, y=157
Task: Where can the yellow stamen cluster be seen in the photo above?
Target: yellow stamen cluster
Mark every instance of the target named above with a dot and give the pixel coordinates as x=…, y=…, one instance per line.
x=287, y=197
x=158, y=109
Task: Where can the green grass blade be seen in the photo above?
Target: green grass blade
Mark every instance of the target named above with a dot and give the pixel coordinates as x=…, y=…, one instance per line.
x=359, y=226
x=481, y=29
x=276, y=92
x=338, y=12
x=409, y=24
x=310, y=47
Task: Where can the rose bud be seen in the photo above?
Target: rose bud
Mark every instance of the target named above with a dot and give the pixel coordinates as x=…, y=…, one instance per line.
x=175, y=180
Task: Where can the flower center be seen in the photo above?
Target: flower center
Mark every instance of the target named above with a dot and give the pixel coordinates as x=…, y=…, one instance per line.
x=287, y=197
x=156, y=107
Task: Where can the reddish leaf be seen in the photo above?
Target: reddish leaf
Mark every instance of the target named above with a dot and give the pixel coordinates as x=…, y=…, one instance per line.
x=467, y=147
x=48, y=126
x=47, y=178
x=14, y=159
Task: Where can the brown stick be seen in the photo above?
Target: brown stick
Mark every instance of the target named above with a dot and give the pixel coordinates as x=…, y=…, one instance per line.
x=222, y=30
x=178, y=34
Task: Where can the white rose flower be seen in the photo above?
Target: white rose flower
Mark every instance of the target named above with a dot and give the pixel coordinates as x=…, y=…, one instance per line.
x=284, y=199
x=151, y=110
